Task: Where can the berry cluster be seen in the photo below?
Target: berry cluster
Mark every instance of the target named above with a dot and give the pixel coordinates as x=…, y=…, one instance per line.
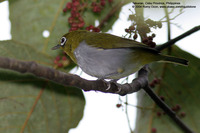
x=92, y=28
x=77, y=8
x=131, y=30
x=175, y=108
x=61, y=61
x=75, y=20
x=98, y=6
x=181, y=114
x=154, y=82
x=142, y=27
x=149, y=41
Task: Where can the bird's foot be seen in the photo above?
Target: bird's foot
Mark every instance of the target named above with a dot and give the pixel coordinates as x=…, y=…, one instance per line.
x=109, y=84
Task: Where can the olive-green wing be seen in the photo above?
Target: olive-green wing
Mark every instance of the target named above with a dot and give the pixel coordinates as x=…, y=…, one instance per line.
x=108, y=41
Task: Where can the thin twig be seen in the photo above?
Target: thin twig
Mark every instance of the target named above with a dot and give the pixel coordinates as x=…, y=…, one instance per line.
x=181, y=12
x=127, y=116
x=173, y=41
x=167, y=110
x=139, y=107
x=135, y=106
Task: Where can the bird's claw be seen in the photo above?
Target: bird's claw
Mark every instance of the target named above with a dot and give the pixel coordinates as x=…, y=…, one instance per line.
x=109, y=85
x=114, y=82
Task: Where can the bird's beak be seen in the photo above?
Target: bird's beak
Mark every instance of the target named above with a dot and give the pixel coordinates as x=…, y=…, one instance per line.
x=56, y=47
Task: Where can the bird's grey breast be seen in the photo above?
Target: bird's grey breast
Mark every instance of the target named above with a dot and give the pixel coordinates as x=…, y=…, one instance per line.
x=101, y=63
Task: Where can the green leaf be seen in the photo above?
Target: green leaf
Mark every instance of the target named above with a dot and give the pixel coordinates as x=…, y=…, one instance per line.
x=27, y=102
x=37, y=105
x=21, y=51
x=34, y=104
x=29, y=19
x=179, y=86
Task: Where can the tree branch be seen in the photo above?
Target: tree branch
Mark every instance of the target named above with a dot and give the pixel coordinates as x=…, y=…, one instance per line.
x=74, y=80
x=173, y=41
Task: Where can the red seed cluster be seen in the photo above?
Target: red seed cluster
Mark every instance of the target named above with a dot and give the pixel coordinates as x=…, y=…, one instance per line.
x=98, y=6
x=149, y=41
x=61, y=61
x=154, y=82
x=131, y=30
x=77, y=8
x=75, y=20
x=92, y=28
x=176, y=108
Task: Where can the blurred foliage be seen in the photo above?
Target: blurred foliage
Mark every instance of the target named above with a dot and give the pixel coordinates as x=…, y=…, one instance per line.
x=179, y=87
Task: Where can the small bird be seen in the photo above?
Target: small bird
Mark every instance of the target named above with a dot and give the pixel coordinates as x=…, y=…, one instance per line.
x=106, y=56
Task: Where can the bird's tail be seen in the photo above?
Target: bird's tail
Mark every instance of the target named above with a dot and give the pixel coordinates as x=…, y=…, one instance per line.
x=176, y=60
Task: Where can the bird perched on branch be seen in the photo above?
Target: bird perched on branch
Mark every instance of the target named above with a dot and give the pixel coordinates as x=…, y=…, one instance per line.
x=106, y=56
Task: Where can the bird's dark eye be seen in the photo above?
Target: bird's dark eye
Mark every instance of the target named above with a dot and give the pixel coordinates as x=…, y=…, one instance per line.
x=63, y=41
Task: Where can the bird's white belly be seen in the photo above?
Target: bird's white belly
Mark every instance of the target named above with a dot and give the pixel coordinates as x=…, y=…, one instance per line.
x=106, y=63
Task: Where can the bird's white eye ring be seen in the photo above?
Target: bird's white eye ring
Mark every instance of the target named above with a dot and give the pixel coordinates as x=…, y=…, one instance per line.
x=63, y=41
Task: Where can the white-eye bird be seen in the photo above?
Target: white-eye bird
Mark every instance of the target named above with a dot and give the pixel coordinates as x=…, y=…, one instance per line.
x=106, y=56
